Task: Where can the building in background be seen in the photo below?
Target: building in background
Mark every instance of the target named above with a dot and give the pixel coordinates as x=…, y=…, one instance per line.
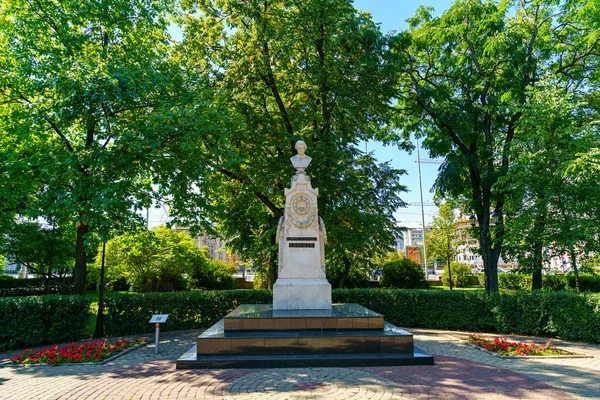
x=217, y=248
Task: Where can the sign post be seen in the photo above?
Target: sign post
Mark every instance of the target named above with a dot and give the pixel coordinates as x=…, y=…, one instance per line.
x=158, y=319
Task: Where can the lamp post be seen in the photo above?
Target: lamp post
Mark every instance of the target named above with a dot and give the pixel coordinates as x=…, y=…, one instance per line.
x=99, y=331
x=422, y=211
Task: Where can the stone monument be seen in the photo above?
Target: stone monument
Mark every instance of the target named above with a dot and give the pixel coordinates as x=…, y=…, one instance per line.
x=302, y=328
x=302, y=237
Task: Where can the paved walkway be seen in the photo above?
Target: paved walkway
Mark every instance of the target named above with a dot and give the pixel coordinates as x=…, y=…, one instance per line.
x=461, y=372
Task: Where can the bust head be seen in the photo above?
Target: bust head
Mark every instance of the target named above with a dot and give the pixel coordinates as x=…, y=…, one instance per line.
x=300, y=147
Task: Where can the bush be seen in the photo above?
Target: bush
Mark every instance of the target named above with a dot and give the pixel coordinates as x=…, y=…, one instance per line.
x=587, y=282
x=215, y=275
x=33, y=286
x=436, y=309
x=402, y=274
x=460, y=275
x=565, y=315
x=36, y=320
x=129, y=313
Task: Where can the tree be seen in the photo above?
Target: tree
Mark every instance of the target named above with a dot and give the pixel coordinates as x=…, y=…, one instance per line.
x=154, y=260
x=554, y=128
x=213, y=275
x=402, y=274
x=443, y=238
x=89, y=104
x=46, y=250
x=464, y=80
x=457, y=274
x=314, y=70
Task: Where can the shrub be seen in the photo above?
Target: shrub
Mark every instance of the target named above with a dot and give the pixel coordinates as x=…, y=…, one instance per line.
x=402, y=274
x=587, y=282
x=514, y=281
x=151, y=261
x=35, y=320
x=439, y=309
x=460, y=275
x=34, y=286
x=567, y=315
x=357, y=278
x=129, y=313
x=215, y=275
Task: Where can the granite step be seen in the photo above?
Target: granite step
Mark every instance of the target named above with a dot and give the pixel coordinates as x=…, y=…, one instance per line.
x=191, y=360
x=391, y=339
x=262, y=317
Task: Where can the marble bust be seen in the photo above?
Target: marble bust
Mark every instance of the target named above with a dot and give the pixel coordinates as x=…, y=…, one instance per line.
x=300, y=161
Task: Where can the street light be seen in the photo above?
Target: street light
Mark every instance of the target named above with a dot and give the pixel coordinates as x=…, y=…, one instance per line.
x=495, y=218
x=472, y=220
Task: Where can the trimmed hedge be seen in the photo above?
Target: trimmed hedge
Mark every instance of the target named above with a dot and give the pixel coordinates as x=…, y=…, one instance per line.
x=566, y=315
x=588, y=282
x=129, y=313
x=35, y=320
x=33, y=286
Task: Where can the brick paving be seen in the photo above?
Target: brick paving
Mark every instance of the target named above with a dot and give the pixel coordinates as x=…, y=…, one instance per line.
x=461, y=372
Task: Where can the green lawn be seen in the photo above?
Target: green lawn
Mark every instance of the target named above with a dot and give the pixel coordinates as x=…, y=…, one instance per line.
x=90, y=324
x=457, y=288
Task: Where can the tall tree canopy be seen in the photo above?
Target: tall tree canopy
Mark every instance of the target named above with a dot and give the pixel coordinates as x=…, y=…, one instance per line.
x=314, y=70
x=465, y=78
x=87, y=103
x=550, y=210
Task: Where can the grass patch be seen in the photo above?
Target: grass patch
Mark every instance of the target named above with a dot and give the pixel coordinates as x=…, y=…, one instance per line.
x=90, y=323
x=457, y=288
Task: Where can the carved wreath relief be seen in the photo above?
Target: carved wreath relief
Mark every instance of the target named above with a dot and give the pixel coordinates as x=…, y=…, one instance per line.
x=303, y=214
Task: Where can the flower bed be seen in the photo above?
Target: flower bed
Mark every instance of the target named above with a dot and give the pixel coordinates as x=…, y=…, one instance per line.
x=94, y=351
x=505, y=348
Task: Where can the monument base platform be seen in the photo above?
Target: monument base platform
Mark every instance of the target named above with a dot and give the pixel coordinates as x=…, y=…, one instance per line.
x=256, y=335
x=191, y=360
x=301, y=293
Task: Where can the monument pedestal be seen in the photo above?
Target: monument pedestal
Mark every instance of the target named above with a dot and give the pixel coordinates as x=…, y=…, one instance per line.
x=302, y=328
x=259, y=336
x=303, y=294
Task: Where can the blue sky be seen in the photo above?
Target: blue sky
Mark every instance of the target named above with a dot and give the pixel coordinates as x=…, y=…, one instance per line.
x=392, y=16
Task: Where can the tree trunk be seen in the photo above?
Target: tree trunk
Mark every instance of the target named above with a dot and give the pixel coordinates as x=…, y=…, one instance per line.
x=449, y=268
x=536, y=275
x=80, y=259
x=489, y=254
x=346, y=272
x=575, y=271
x=449, y=273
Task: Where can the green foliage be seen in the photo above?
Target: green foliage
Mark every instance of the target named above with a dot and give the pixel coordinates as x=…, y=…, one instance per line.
x=436, y=309
x=92, y=107
x=548, y=211
x=33, y=286
x=443, y=238
x=37, y=320
x=316, y=71
x=357, y=277
x=215, y=275
x=153, y=260
x=47, y=251
x=403, y=274
x=565, y=315
x=129, y=313
x=588, y=282
x=460, y=274
x=466, y=82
